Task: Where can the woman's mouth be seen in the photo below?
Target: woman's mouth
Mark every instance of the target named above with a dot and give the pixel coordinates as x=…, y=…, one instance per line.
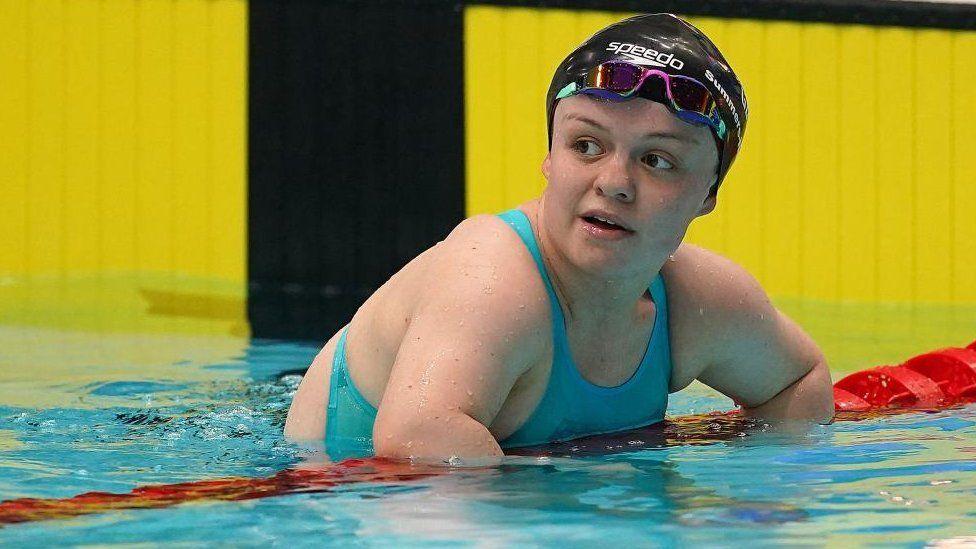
x=604, y=229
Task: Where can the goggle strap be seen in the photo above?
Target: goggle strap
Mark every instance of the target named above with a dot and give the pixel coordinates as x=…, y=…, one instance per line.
x=568, y=90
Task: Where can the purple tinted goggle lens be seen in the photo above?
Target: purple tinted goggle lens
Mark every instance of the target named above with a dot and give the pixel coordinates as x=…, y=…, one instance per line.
x=688, y=98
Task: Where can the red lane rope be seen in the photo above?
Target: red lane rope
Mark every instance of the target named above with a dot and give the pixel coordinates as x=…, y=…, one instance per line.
x=288, y=481
x=932, y=380
x=939, y=379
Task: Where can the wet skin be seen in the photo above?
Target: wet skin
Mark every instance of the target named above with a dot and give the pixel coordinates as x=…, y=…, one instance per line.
x=455, y=349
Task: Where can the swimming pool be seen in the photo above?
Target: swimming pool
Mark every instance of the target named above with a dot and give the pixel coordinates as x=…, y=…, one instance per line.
x=210, y=407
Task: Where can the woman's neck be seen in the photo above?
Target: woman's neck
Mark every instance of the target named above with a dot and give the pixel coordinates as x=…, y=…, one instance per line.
x=591, y=300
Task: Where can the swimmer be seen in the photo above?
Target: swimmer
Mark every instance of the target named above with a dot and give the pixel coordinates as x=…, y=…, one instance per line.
x=575, y=313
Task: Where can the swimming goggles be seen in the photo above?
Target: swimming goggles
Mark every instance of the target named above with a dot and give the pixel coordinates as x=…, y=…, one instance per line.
x=688, y=98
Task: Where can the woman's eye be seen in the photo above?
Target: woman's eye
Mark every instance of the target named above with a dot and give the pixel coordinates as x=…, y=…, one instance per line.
x=657, y=161
x=587, y=147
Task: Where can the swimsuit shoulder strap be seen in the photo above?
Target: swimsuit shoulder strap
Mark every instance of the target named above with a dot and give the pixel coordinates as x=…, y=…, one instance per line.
x=520, y=222
x=660, y=344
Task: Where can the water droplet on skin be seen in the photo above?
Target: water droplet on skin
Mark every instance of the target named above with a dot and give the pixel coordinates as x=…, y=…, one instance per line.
x=762, y=316
x=701, y=311
x=522, y=306
x=460, y=323
x=469, y=392
x=481, y=378
x=671, y=257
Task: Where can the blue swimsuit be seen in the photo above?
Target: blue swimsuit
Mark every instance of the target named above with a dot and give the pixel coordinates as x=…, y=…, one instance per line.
x=571, y=407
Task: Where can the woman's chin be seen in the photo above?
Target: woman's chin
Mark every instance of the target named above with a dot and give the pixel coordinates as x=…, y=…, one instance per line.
x=604, y=260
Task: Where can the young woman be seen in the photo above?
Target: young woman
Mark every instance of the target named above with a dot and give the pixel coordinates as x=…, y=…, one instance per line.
x=578, y=312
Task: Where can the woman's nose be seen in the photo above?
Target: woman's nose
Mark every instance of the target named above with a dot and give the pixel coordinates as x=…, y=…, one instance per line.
x=615, y=180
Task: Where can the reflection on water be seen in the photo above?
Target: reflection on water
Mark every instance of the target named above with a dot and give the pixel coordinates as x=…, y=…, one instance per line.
x=45, y=368
x=125, y=303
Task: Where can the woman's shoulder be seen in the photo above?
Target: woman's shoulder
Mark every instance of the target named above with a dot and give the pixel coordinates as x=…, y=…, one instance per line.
x=708, y=295
x=485, y=247
x=701, y=276
x=479, y=282
x=481, y=260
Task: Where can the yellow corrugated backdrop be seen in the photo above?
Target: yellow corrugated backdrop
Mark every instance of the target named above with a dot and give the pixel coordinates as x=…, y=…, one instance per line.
x=123, y=162
x=857, y=180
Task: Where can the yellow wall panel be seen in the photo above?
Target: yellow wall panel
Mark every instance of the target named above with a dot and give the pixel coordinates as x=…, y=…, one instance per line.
x=525, y=143
x=119, y=114
x=963, y=168
x=123, y=162
x=14, y=137
x=708, y=231
x=857, y=257
x=853, y=183
x=118, y=166
x=191, y=192
x=742, y=194
x=933, y=175
x=45, y=176
x=154, y=205
x=895, y=135
x=820, y=185
x=483, y=108
x=227, y=144
x=781, y=180
x=81, y=130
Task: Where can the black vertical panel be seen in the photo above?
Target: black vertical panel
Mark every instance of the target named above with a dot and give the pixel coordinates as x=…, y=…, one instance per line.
x=265, y=85
x=355, y=153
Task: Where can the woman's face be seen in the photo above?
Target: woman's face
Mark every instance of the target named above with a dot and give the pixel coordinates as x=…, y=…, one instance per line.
x=633, y=160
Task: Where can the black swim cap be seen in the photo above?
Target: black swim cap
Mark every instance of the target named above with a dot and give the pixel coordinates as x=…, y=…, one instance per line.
x=670, y=44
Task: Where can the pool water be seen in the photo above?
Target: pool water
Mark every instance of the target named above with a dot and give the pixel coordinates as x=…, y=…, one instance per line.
x=88, y=411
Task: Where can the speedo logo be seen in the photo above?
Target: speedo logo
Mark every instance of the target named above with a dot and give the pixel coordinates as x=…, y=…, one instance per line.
x=645, y=56
x=728, y=100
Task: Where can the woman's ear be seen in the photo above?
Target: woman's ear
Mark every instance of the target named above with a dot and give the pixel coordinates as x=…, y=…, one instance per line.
x=545, y=165
x=708, y=204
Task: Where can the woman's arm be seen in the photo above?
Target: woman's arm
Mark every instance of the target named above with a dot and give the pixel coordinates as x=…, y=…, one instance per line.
x=476, y=333
x=810, y=397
